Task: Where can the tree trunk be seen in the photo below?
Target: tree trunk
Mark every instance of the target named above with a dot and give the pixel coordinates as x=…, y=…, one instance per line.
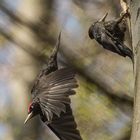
x=135, y=24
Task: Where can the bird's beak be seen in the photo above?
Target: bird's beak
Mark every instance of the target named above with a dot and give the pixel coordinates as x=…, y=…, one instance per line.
x=28, y=117
x=103, y=18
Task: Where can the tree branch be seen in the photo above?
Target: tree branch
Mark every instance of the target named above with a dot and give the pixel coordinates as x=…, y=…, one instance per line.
x=135, y=28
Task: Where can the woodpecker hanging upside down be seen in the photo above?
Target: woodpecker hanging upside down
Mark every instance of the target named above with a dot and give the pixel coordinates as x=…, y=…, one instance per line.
x=110, y=34
x=51, y=100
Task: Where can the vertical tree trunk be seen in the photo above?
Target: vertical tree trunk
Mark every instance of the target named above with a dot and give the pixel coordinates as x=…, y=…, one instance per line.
x=135, y=28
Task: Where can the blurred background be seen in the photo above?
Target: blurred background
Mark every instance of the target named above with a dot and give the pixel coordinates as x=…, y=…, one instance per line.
x=28, y=32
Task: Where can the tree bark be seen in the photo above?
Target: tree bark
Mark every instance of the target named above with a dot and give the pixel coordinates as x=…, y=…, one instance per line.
x=135, y=24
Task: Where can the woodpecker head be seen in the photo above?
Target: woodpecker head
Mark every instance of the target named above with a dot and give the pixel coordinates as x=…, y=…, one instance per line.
x=94, y=25
x=90, y=31
x=33, y=110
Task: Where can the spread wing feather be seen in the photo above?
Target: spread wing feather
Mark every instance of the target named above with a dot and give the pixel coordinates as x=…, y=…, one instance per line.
x=53, y=91
x=65, y=126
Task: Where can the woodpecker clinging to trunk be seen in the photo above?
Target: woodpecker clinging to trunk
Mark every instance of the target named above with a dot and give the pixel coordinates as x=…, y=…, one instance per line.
x=51, y=100
x=110, y=34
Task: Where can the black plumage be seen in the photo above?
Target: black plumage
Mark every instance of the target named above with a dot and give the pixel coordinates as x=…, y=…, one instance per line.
x=51, y=100
x=110, y=34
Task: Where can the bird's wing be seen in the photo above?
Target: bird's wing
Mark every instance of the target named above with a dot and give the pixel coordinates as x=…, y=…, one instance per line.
x=51, y=66
x=108, y=42
x=54, y=91
x=121, y=47
x=65, y=126
x=52, y=61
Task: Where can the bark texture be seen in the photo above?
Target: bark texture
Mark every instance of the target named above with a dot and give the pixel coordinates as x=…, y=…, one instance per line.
x=135, y=28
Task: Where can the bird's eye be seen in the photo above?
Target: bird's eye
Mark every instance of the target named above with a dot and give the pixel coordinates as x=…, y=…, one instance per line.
x=30, y=108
